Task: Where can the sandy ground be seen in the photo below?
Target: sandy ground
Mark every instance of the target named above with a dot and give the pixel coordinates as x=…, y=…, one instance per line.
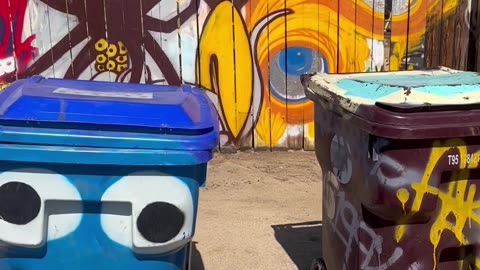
x=259, y=211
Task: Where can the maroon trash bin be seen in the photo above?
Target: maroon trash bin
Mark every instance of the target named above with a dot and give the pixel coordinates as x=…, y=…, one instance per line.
x=399, y=153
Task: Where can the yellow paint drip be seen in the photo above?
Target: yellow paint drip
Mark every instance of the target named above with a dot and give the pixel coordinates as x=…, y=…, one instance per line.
x=477, y=263
x=399, y=231
x=403, y=195
x=458, y=201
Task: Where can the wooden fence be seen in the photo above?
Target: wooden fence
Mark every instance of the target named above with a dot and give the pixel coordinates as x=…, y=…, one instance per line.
x=247, y=54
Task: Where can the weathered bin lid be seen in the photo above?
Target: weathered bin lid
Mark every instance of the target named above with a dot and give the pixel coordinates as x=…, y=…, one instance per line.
x=99, y=114
x=403, y=104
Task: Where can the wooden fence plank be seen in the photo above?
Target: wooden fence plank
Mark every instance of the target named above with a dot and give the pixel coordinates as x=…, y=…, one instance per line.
x=102, y=46
x=152, y=73
x=334, y=33
x=308, y=127
x=161, y=37
x=180, y=21
x=217, y=69
x=84, y=46
x=294, y=58
x=366, y=21
x=257, y=16
x=227, y=92
x=356, y=48
x=246, y=96
x=277, y=77
x=158, y=67
x=57, y=32
x=350, y=9
x=417, y=23
x=27, y=34
x=387, y=34
x=53, y=54
x=433, y=34
x=476, y=13
x=319, y=66
x=378, y=36
x=328, y=57
x=189, y=35
x=101, y=43
x=9, y=64
x=462, y=34
x=61, y=25
x=202, y=76
x=139, y=53
x=73, y=41
x=398, y=34
x=448, y=38
x=70, y=71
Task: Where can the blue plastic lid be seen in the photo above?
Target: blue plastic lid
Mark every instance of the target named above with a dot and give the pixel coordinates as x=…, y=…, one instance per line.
x=103, y=114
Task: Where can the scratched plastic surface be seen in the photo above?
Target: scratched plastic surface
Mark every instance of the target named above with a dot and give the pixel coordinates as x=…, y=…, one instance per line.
x=98, y=175
x=419, y=88
x=399, y=194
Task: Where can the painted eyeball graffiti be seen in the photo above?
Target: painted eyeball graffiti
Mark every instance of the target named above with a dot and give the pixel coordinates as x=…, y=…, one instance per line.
x=293, y=62
x=162, y=213
x=27, y=218
x=340, y=158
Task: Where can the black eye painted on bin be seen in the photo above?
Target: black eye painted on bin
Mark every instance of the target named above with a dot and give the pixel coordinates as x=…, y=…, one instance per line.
x=160, y=222
x=19, y=203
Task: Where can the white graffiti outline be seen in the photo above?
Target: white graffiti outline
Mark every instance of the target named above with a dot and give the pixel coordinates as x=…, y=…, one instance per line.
x=7, y=65
x=353, y=227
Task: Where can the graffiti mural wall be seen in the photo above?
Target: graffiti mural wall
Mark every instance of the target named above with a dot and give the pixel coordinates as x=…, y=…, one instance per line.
x=248, y=54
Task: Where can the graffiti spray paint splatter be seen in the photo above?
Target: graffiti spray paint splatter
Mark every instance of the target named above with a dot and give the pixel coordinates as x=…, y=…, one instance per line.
x=15, y=54
x=458, y=200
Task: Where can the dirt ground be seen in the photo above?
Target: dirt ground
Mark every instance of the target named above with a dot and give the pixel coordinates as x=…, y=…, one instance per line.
x=259, y=211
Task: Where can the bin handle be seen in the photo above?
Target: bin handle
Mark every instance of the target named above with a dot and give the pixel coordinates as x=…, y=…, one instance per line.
x=426, y=107
x=448, y=176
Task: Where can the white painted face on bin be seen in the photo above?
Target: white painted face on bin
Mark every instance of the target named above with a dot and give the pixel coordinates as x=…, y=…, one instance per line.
x=25, y=219
x=162, y=217
x=39, y=205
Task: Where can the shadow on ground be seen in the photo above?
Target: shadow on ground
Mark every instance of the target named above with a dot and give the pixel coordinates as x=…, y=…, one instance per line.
x=196, y=260
x=301, y=241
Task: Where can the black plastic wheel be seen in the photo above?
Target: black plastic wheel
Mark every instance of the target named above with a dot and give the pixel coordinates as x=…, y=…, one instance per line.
x=318, y=264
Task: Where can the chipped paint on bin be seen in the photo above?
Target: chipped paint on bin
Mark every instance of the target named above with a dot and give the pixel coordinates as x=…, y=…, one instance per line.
x=441, y=86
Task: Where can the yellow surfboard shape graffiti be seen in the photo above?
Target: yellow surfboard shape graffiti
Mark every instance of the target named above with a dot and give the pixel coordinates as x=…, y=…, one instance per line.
x=225, y=65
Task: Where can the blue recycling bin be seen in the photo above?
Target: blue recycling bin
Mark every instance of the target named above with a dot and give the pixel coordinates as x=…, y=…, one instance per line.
x=97, y=175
